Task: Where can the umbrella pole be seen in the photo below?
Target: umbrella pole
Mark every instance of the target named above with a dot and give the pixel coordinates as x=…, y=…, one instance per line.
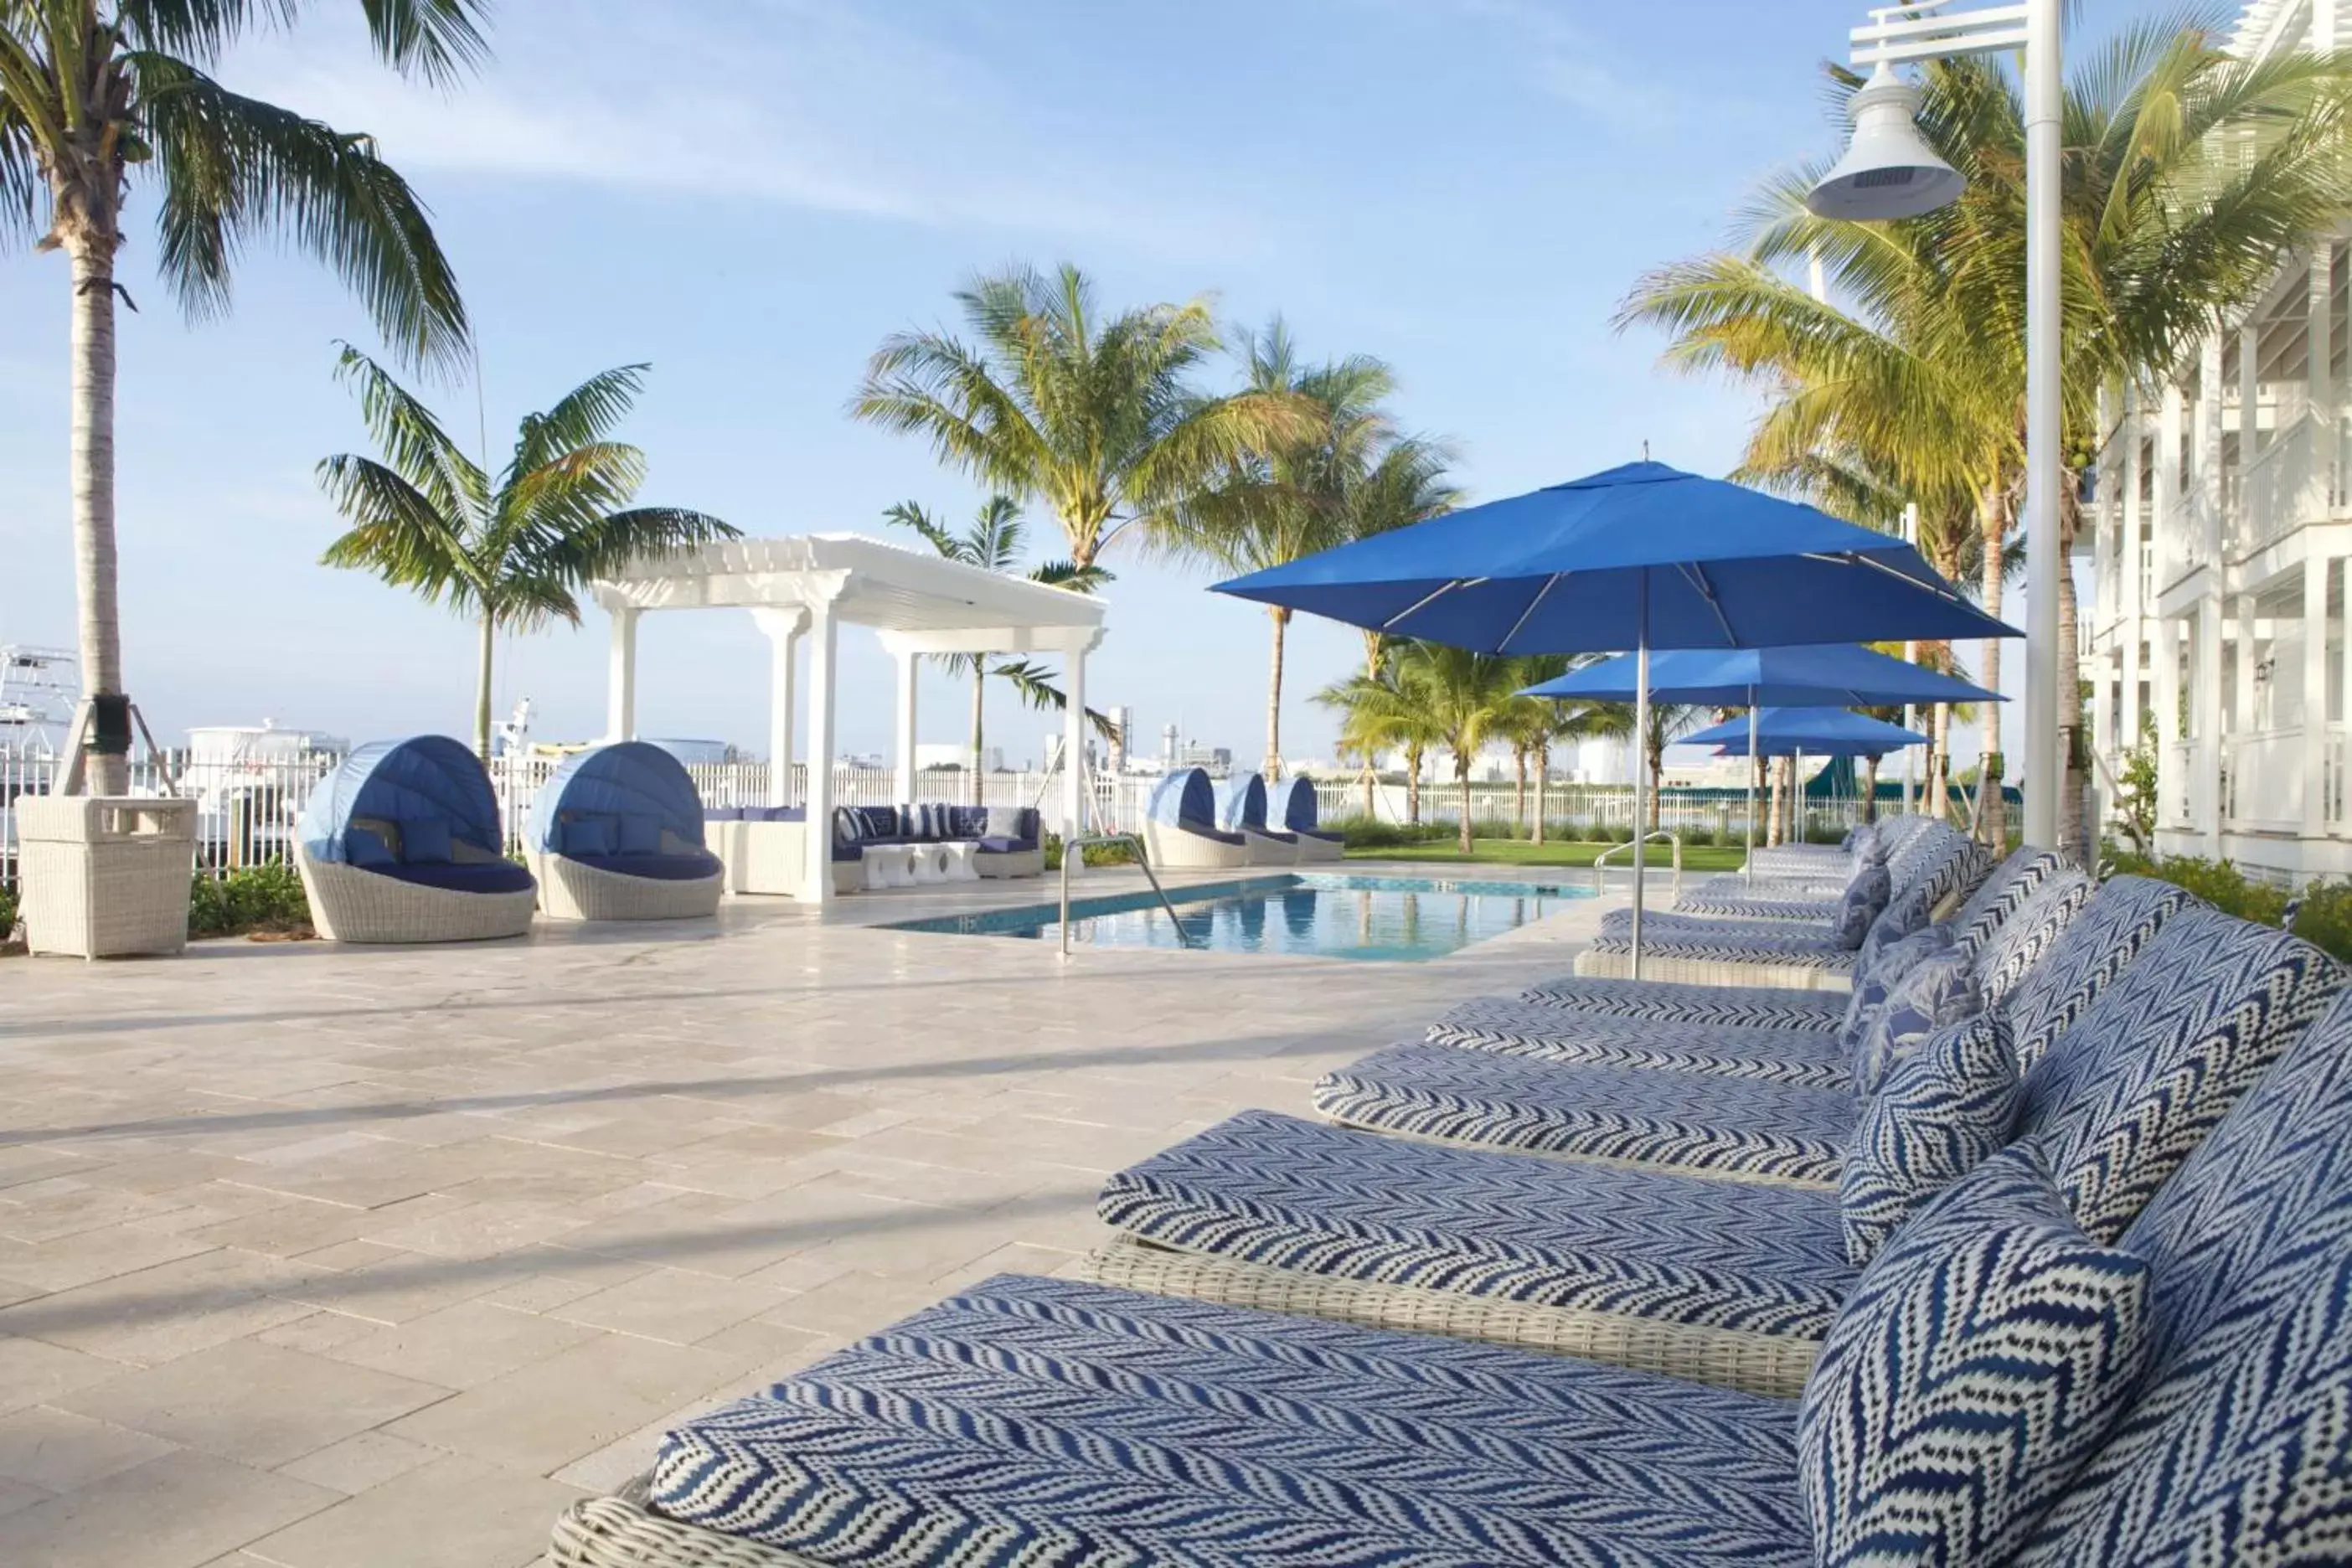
x=1754, y=763
x=1643, y=783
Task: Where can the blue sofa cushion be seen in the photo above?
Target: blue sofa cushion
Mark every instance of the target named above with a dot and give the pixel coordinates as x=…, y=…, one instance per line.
x=1553, y=1034
x=1265, y=1188
x=878, y=824
x=425, y=841
x=689, y=867
x=1761, y=1006
x=727, y=813
x=1700, y=1120
x=1943, y=1111
x=2001, y=894
x=484, y=877
x=1007, y=845
x=1985, y=1355
x=2122, y=919
x=365, y=850
x=1048, y=1421
x=589, y=834
x=640, y=834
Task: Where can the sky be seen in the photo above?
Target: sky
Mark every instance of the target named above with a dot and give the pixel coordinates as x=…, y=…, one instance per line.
x=751, y=195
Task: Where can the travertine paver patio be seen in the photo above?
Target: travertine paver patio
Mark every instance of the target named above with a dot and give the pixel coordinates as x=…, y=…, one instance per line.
x=375, y=1259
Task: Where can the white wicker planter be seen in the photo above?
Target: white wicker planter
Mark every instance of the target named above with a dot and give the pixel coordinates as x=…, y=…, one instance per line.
x=1657, y=965
x=569, y=890
x=350, y=905
x=105, y=876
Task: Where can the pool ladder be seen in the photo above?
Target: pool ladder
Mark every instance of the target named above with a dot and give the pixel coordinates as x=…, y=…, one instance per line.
x=1074, y=849
x=1641, y=860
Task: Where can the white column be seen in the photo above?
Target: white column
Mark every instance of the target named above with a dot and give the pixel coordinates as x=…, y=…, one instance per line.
x=2326, y=474
x=2314, y=686
x=817, y=872
x=2171, y=434
x=2128, y=566
x=2164, y=650
x=1074, y=744
x=2049, y=669
x=2205, y=795
x=621, y=677
x=2209, y=458
x=784, y=628
x=908, y=664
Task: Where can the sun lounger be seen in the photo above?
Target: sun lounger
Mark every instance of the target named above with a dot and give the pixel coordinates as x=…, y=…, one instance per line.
x=1240, y=809
x=1292, y=806
x=402, y=843
x=1404, y=1233
x=616, y=834
x=1180, y=827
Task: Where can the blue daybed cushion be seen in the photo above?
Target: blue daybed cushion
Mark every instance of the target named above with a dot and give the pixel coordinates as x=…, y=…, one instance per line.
x=1184, y=798
x=1291, y=804
x=418, y=782
x=633, y=778
x=363, y=850
x=1240, y=803
x=588, y=836
x=1007, y=845
x=425, y=842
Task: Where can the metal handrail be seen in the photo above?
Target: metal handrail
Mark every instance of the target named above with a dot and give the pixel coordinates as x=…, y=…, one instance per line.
x=1074, y=849
x=1599, y=861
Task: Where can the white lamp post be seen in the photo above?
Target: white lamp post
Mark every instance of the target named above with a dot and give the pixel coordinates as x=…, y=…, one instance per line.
x=1888, y=172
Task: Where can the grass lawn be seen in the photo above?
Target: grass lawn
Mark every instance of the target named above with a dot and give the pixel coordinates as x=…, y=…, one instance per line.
x=1519, y=852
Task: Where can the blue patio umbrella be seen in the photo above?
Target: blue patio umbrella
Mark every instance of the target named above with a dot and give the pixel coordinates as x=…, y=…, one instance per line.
x=1825, y=732
x=1811, y=675
x=1642, y=556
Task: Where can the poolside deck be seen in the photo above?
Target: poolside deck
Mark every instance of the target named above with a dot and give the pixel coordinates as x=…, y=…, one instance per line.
x=330, y=1258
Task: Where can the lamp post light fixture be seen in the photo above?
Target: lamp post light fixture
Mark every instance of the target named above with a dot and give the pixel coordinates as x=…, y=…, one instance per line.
x=1889, y=172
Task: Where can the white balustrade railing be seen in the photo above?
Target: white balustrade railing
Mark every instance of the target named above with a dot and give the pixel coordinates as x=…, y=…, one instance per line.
x=2263, y=789
x=2278, y=493
x=2177, y=775
x=2331, y=779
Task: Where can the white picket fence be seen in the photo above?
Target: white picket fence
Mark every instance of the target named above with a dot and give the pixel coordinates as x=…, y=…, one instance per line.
x=248, y=808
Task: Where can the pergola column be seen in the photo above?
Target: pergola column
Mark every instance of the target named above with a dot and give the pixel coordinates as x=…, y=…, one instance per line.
x=2314, y=686
x=1074, y=744
x=621, y=677
x=907, y=663
x=783, y=629
x=824, y=643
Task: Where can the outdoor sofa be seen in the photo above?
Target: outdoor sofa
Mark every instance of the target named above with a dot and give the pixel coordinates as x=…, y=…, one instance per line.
x=1008, y=841
x=1181, y=830
x=1735, y=1279
x=1292, y=803
x=1241, y=808
x=2009, y=1380
x=402, y=843
x=616, y=834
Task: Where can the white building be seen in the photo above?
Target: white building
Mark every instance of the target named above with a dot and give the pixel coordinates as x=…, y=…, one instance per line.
x=2218, y=543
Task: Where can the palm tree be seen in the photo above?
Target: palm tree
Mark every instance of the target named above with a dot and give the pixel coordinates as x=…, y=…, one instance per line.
x=93, y=92
x=1098, y=419
x=1343, y=474
x=514, y=553
x=2192, y=176
x=992, y=541
x=1535, y=724
x=1377, y=713
x=1465, y=697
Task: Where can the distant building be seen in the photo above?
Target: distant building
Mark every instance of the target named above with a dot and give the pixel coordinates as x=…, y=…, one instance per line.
x=956, y=754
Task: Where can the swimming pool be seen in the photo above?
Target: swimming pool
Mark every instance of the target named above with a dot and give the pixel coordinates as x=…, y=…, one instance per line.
x=1325, y=915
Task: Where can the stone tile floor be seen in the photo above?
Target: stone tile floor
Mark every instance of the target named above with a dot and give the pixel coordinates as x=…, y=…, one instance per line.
x=342, y=1257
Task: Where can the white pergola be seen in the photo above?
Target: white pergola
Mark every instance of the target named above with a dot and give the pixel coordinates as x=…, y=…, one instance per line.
x=810, y=585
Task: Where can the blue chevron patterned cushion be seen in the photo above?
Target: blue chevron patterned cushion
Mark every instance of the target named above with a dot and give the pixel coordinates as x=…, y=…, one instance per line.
x=1863, y=902
x=2105, y=940
x=1983, y=1357
x=1263, y=1188
x=1753, y=1006
x=1932, y=993
x=1943, y=1111
x=2141, y=1078
x=1666, y=1045
x=1049, y=1422
x=2002, y=893
x=2029, y=931
x=2236, y=1449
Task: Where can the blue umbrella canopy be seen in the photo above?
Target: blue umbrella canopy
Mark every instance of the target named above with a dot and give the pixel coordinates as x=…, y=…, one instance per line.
x=1823, y=676
x=1818, y=731
x=1642, y=555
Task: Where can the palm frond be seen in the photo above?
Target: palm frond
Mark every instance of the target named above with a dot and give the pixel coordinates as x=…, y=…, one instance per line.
x=413, y=440
x=583, y=417
x=233, y=167
x=398, y=534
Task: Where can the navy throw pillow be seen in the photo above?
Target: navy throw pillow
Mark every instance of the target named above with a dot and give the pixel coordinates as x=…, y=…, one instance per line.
x=640, y=832
x=425, y=842
x=590, y=835
x=365, y=850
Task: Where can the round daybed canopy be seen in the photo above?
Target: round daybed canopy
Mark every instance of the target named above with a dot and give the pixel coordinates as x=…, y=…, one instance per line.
x=402, y=843
x=1241, y=808
x=617, y=835
x=1294, y=808
x=1180, y=825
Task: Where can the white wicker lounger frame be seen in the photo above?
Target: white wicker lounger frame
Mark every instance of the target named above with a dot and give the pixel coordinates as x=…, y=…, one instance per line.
x=621, y=1532
x=569, y=890
x=1759, y=1364
x=350, y=905
x=1657, y=965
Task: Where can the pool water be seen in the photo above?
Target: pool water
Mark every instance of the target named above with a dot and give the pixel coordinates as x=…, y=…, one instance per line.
x=1317, y=914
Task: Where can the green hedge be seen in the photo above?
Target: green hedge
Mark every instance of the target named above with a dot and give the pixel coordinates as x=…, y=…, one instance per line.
x=2325, y=920
x=1095, y=854
x=7, y=915
x=252, y=898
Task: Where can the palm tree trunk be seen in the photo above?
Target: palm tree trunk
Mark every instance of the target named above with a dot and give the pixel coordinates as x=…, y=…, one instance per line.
x=1281, y=618
x=1870, y=789
x=99, y=625
x=1772, y=804
x=1519, y=787
x=2072, y=828
x=1939, y=762
x=1992, y=526
x=1413, y=760
x=1657, y=770
x=979, y=734
x=1370, y=778
x=482, y=690
x=1543, y=777
x=1461, y=777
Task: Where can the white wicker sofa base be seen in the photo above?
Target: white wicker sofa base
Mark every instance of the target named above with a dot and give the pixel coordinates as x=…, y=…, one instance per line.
x=350, y=905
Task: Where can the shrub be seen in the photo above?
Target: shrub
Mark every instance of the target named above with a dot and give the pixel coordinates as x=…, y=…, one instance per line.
x=1095, y=854
x=7, y=916
x=1371, y=833
x=267, y=898
x=2324, y=919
